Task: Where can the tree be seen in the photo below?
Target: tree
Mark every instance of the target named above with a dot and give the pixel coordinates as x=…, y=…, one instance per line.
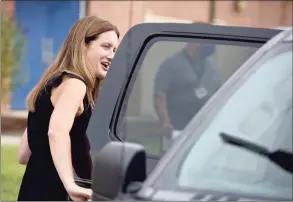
x=13, y=46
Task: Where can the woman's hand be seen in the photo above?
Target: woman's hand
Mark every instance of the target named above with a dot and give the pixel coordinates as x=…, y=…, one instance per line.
x=77, y=193
x=168, y=129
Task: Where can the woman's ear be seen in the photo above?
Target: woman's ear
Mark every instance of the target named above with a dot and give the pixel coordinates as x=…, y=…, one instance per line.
x=85, y=47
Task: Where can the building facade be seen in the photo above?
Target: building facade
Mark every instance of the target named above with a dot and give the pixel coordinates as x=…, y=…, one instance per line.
x=48, y=24
x=125, y=14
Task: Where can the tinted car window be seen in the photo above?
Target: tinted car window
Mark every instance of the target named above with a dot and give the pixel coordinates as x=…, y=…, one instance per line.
x=187, y=73
x=260, y=110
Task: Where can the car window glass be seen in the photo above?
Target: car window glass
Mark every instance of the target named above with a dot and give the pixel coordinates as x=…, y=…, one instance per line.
x=261, y=111
x=183, y=75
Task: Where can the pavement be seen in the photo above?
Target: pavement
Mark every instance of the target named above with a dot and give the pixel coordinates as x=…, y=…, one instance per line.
x=10, y=139
x=15, y=113
x=13, y=121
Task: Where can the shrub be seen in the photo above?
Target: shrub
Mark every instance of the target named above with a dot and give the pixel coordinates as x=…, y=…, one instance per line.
x=13, y=46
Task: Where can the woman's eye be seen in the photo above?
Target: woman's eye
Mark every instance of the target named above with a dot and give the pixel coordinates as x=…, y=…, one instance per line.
x=106, y=46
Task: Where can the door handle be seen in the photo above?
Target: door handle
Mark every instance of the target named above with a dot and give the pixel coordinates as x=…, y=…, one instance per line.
x=83, y=182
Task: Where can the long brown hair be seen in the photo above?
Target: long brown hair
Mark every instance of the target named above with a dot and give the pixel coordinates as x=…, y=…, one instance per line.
x=72, y=58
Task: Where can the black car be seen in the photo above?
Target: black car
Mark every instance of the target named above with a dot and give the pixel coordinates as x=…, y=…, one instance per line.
x=238, y=146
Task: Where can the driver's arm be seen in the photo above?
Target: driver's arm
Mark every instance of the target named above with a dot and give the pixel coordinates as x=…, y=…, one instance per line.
x=160, y=103
x=160, y=98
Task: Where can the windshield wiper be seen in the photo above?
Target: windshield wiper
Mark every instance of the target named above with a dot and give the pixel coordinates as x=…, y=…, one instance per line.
x=283, y=159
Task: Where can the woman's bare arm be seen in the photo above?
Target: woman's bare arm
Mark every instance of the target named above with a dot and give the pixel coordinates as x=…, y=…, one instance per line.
x=24, y=151
x=68, y=101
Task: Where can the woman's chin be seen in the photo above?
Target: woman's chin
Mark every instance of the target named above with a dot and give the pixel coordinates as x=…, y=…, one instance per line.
x=102, y=75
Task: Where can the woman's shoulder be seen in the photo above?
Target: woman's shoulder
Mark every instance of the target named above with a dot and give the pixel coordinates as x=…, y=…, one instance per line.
x=75, y=85
x=56, y=80
x=72, y=88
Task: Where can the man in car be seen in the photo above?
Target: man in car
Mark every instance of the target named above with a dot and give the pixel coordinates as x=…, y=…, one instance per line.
x=183, y=83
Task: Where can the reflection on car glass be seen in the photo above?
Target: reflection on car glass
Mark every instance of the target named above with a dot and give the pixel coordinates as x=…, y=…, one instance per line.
x=252, y=112
x=169, y=90
x=257, y=121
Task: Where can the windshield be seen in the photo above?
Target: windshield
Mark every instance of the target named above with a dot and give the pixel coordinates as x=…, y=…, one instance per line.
x=259, y=110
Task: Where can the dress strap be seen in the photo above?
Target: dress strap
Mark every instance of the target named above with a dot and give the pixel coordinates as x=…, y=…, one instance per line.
x=72, y=76
x=57, y=80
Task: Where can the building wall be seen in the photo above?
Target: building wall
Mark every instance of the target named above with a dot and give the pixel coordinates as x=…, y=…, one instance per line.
x=264, y=14
x=38, y=31
x=125, y=14
x=7, y=7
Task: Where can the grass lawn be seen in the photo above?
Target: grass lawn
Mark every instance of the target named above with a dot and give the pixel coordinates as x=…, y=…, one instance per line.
x=11, y=173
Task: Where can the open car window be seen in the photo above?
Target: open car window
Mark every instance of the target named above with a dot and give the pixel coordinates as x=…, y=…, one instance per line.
x=259, y=109
x=187, y=71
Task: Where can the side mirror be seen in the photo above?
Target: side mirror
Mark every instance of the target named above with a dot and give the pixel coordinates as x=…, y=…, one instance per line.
x=116, y=166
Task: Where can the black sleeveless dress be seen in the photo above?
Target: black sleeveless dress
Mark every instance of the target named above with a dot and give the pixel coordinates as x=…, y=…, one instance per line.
x=41, y=181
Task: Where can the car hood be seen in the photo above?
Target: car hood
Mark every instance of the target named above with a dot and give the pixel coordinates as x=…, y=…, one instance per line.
x=151, y=194
x=186, y=196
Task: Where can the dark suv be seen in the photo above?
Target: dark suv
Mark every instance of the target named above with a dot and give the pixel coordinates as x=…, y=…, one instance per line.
x=238, y=146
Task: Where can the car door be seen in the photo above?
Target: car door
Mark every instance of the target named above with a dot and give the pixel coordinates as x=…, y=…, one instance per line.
x=125, y=107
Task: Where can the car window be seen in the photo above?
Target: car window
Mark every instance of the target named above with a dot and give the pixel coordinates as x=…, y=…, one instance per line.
x=261, y=111
x=176, y=77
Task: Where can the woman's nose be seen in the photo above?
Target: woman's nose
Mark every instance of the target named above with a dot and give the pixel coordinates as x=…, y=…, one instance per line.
x=111, y=55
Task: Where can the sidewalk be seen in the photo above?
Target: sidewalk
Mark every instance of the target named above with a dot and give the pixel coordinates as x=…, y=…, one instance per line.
x=10, y=139
x=13, y=121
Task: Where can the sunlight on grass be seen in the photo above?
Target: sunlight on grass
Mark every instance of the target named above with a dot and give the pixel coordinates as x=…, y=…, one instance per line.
x=11, y=173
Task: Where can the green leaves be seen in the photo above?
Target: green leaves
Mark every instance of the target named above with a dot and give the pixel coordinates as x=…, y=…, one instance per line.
x=13, y=46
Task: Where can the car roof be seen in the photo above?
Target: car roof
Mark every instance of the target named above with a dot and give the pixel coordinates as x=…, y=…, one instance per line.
x=288, y=37
x=283, y=28
x=283, y=36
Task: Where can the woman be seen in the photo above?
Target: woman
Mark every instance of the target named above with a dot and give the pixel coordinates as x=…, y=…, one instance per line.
x=59, y=106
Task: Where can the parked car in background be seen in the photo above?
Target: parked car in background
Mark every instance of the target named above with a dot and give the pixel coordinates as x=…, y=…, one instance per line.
x=126, y=136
